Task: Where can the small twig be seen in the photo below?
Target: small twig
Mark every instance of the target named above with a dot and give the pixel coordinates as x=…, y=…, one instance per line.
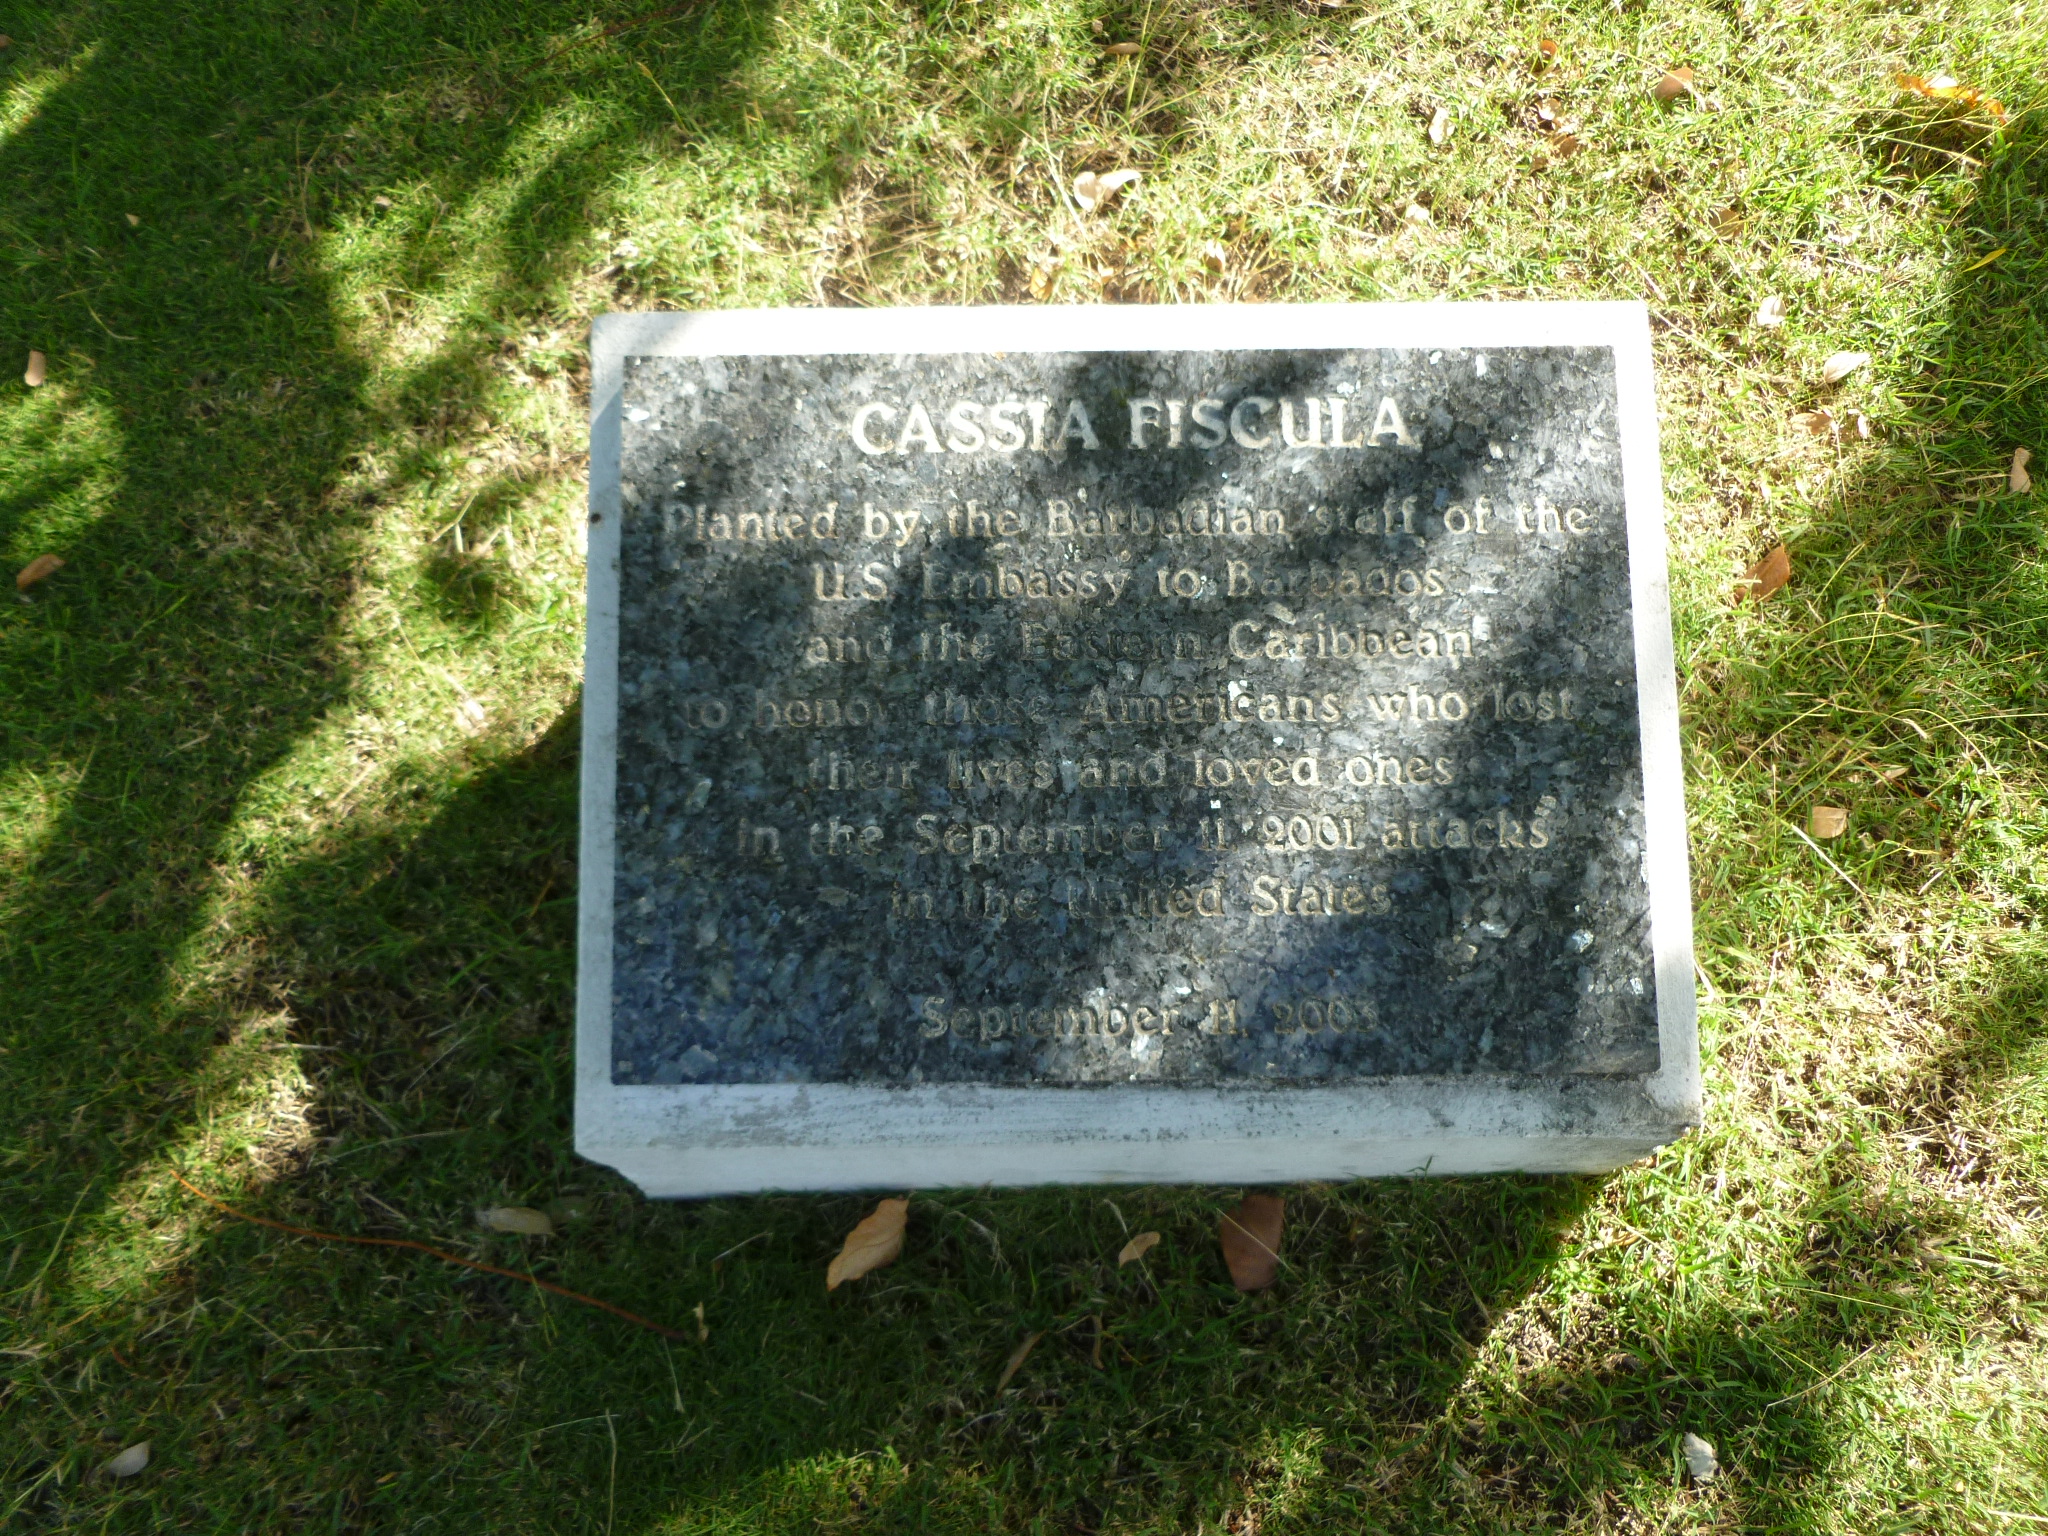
x=1833, y=1375
x=611, y=1496
x=1017, y=1359
x=623, y=26
x=1831, y=864
x=108, y=328
x=438, y=1253
x=681, y=127
x=736, y=1247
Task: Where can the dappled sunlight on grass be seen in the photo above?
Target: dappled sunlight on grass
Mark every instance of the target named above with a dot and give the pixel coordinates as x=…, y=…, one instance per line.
x=250, y=1120
x=32, y=803
x=60, y=468
x=26, y=92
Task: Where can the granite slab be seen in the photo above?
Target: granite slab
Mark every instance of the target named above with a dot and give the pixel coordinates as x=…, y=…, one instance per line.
x=1129, y=743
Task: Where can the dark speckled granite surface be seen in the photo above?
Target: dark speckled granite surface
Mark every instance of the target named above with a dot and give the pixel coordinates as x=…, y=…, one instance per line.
x=966, y=761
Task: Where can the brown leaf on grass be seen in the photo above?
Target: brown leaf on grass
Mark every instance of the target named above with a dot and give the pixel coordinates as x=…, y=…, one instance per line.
x=470, y=716
x=1214, y=257
x=1862, y=424
x=521, y=1219
x=38, y=370
x=1944, y=88
x=1546, y=114
x=1440, y=126
x=1251, y=1240
x=1017, y=1358
x=1840, y=365
x=1770, y=314
x=134, y=220
x=1044, y=269
x=129, y=1463
x=36, y=570
x=2017, y=480
x=1730, y=222
x=1766, y=576
x=1539, y=161
x=1827, y=821
x=1415, y=213
x=1547, y=48
x=1565, y=145
x=6, y=41
x=876, y=1241
x=1137, y=1248
x=1120, y=50
x=1676, y=83
x=1092, y=191
x=1821, y=422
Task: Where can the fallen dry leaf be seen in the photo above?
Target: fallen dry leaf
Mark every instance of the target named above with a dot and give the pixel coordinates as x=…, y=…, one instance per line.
x=1017, y=1358
x=1546, y=113
x=1566, y=145
x=2019, y=482
x=36, y=570
x=1944, y=88
x=522, y=1219
x=470, y=716
x=134, y=220
x=1766, y=576
x=1539, y=161
x=1840, y=365
x=1862, y=425
x=1415, y=213
x=1440, y=125
x=1821, y=422
x=1700, y=1461
x=1771, y=313
x=1043, y=271
x=1547, y=47
x=1214, y=257
x=1251, y=1241
x=1120, y=50
x=38, y=370
x=1137, y=1248
x=878, y=1240
x=1730, y=222
x=1092, y=191
x=129, y=1462
x=1827, y=821
x=1676, y=83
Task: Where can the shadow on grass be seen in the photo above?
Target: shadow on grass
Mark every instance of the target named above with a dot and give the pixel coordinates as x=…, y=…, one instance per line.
x=419, y=975
x=1900, y=675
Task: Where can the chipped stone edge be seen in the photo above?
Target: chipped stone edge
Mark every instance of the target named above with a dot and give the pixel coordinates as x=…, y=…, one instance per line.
x=706, y=1139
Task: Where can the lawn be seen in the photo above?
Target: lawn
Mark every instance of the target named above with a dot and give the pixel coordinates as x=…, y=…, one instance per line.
x=288, y=771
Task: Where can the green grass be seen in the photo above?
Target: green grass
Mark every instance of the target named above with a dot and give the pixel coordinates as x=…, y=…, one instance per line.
x=273, y=916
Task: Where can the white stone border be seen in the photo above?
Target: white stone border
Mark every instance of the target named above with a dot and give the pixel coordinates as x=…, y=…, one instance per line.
x=706, y=1139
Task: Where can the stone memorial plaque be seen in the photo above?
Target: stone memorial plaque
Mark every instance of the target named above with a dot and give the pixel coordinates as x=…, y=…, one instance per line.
x=1128, y=744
